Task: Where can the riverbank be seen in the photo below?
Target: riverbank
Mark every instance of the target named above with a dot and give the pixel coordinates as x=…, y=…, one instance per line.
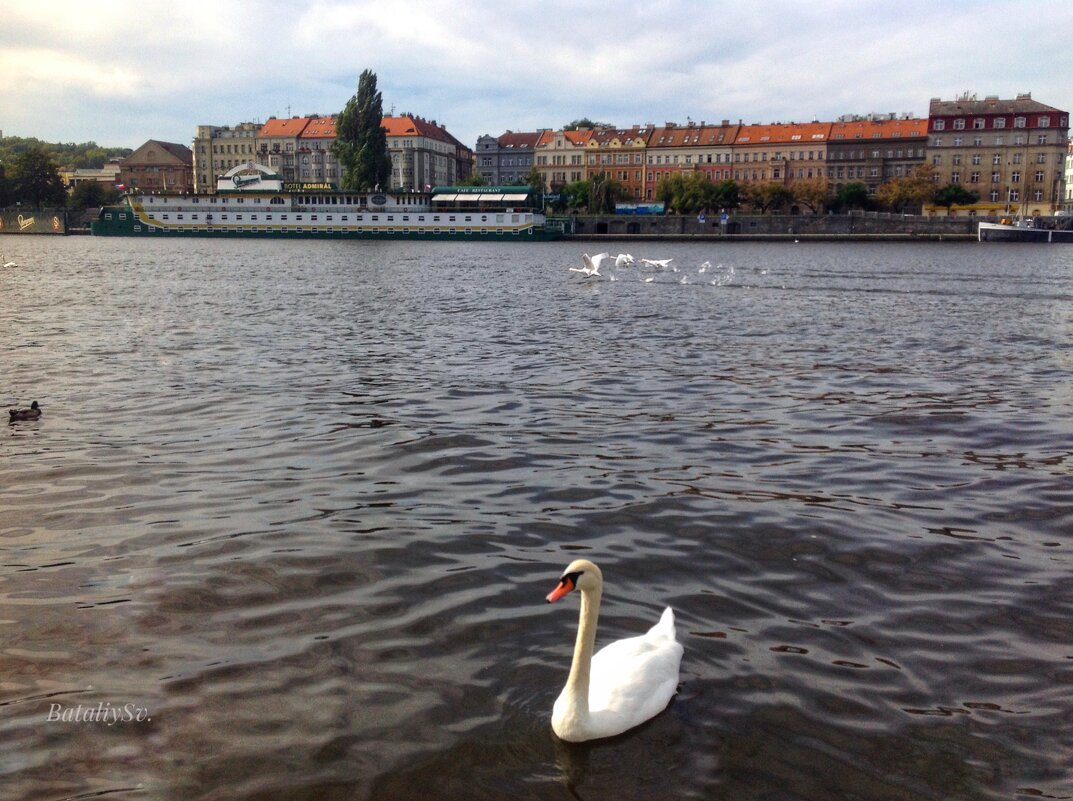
x=853, y=227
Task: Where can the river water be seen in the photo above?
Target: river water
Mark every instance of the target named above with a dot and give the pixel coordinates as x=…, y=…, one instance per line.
x=285, y=528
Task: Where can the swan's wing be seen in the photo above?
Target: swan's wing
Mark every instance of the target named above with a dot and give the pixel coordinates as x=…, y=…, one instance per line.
x=586, y=260
x=634, y=679
x=598, y=259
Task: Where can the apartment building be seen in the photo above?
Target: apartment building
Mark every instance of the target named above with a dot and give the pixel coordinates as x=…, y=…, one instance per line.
x=781, y=152
x=560, y=157
x=424, y=155
x=618, y=153
x=693, y=147
x=875, y=149
x=1067, y=205
x=507, y=159
x=218, y=148
x=278, y=145
x=1012, y=152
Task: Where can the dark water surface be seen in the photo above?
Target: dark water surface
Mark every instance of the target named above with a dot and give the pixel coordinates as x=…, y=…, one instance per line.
x=300, y=503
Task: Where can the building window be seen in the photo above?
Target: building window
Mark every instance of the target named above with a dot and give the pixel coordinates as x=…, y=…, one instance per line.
x=959, y=125
x=1000, y=122
x=978, y=123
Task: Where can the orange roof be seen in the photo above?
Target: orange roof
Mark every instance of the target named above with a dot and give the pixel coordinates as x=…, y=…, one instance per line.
x=576, y=138
x=692, y=135
x=520, y=140
x=784, y=133
x=319, y=128
x=879, y=129
x=288, y=127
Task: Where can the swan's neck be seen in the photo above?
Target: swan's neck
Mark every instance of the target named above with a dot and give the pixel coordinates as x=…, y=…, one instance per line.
x=577, y=685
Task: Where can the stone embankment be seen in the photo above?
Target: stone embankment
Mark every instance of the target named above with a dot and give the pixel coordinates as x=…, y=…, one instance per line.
x=858, y=226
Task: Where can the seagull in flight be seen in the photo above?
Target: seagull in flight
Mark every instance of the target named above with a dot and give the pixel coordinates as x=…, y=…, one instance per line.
x=592, y=264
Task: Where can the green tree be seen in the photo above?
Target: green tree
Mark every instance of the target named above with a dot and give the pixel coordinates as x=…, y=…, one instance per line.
x=91, y=194
x=954, y=195
x=576, y=194
x=727, y=195
x=852, y=196
x=361, y=140
x=535, y=181
x=36, y=179
x=770, y=196
x=475, y=179
x=5, y=187
x=604, y=191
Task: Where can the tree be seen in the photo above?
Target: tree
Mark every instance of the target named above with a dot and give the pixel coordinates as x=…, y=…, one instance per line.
x=360, y=143
x=770, y=196
x=535, y=181
x=603, y=192
x=811, y=192
x=914, y=190
x=852, y=196
x=693, y=192
x=91, y=194
x=475, y=179
x=36, y=179
x=954, y=195
x=576, y=194
x=586, y=123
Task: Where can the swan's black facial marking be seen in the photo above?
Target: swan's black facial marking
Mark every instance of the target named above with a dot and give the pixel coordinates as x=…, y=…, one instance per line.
x=567, y=583
x=572, y=578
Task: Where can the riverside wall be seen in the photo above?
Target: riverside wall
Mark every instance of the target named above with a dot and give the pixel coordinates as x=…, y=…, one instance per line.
x=860, y=226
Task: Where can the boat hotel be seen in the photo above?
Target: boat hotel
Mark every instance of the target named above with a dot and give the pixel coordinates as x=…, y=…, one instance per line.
x=252, y=200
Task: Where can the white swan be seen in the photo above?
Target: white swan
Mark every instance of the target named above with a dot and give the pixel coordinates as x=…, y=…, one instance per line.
x=623, y=260
x=659, y=263
x=592, y=264
x=7, y=263
x=626, y=683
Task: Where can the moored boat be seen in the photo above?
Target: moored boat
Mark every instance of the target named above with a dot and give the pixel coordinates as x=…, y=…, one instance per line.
x=251, y=200
x=1007, y=230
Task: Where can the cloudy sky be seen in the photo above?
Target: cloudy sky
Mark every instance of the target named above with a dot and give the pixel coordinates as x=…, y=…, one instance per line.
x=119, y=72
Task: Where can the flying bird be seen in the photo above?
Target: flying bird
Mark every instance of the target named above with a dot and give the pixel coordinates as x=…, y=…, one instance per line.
x=592, y=264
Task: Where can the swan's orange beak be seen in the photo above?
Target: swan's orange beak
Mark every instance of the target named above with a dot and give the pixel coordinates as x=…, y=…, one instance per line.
x=566, y=583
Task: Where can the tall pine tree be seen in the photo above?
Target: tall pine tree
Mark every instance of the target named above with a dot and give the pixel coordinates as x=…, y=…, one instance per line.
x=360, y=144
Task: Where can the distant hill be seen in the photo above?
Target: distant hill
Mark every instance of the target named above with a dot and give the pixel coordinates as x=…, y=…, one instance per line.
x=68, y=155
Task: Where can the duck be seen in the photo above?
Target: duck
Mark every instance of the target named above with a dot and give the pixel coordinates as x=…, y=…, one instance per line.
x=25, y=414
x=625, y=683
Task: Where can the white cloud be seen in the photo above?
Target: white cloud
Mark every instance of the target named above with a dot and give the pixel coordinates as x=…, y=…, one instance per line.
x=121, y=72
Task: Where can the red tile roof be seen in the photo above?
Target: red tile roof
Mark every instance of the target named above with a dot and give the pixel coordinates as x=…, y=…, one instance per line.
x=790, y=133
x=284, y=127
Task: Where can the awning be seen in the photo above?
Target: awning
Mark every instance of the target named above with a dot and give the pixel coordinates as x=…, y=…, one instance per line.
x=516, y=197
x=489, y=198
x=441, y=198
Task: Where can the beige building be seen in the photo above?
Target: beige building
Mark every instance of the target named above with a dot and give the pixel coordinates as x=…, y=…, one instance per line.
x=694, y=147
x=618, y=153
x=424, y=154
x=218, y=148
x=560, y=157
x=1012, y=152
x=781, y=152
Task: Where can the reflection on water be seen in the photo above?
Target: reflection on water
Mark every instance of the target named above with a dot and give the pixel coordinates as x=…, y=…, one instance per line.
x=301, y=503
